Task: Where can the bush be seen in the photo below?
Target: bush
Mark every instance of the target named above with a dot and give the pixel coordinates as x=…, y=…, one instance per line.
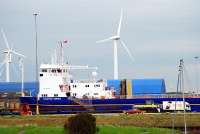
x=83, y=123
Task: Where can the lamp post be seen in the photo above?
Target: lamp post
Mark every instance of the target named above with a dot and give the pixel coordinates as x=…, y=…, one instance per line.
x=36, y=59
x=36, y=48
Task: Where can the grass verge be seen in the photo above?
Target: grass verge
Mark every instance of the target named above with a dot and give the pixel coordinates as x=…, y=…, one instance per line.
x=109, y=129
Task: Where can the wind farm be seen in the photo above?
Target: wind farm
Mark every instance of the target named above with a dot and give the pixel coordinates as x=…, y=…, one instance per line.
x=8, y=56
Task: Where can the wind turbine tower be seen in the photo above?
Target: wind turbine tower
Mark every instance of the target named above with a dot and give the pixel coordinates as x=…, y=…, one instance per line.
x=116, y=38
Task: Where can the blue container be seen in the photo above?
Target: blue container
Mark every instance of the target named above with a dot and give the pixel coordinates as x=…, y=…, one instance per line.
x=16, y=87
x=114, y=84
x=148, y=86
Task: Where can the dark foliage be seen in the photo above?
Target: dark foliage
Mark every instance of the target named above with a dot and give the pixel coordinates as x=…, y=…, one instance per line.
x=83, y=123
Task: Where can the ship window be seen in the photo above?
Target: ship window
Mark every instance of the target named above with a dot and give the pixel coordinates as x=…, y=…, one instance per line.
x=59, y=70
x=86, y=85
x=74, y=94
x=64, y=70
x=44, y=70
x=97, y=85
x=96, y=94
x=44, y=95
x=55, y=95
x=53, y=71
x=74, y=86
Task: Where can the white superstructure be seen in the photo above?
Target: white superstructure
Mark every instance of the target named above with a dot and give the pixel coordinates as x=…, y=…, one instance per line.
x=55, y=81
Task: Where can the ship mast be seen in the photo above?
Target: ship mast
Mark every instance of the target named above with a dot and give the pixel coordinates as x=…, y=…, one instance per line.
x=61, y=43
x=61, y=53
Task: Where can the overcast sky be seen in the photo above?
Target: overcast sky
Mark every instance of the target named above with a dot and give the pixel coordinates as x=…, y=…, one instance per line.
x=158, y=33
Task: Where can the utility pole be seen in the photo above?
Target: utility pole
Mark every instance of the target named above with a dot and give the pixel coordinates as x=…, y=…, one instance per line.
x=180, y=88
x=183, y=92
x=197, y=73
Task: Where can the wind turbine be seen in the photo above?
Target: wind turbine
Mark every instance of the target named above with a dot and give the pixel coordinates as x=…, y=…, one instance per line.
x=8, y=56
x=116, y=38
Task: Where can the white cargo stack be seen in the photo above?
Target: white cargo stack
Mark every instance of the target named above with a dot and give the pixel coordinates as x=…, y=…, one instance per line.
x=175, y=105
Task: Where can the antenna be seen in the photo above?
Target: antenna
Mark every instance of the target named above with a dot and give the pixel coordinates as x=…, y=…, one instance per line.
x=116, y=38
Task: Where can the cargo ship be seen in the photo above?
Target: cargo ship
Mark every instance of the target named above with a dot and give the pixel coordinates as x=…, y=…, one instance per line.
x=60, y=94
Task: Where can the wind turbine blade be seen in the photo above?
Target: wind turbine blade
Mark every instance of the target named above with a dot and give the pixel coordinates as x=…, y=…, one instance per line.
x=105, y=40
x=21, y=55
x=120, y=23
x=127, y=50
x=5, y=39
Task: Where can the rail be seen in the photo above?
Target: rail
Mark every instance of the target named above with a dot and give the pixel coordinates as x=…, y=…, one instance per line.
x=158, y=96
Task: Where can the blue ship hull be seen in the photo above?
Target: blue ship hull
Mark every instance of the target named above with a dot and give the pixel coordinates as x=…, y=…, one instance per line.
x=65, y=105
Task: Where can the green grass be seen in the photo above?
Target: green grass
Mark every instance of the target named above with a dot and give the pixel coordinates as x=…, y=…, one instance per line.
x=138, y=120
x=32, y=130
x=102, y=130
x=12, y=130
x=132, y=130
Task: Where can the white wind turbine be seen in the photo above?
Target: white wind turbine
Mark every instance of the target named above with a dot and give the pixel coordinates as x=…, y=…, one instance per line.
x=8, y=56
x=115, y=39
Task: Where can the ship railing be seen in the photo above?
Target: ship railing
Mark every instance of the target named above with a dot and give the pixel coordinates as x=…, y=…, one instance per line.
x=158, y=96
